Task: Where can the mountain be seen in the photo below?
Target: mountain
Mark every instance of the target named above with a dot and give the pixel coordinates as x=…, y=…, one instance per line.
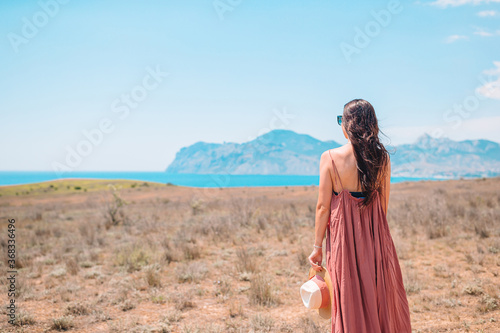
x=289, y=153
x=445, y=158
x=276, y=152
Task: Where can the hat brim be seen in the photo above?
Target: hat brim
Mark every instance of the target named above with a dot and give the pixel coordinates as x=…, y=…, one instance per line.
x=326, y=312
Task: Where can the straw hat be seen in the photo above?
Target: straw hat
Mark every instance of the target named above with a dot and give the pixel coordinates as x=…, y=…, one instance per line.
x=317, y=292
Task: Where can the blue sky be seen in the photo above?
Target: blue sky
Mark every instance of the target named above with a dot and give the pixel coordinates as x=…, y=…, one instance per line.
x=152, y=77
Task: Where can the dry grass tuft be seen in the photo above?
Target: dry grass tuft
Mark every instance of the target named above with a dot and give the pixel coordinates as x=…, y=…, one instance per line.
x=63, y=323
x=133, y=257
x=191, y=272
x=153, y=277
x=78, y=309
x=262, y=292
x=307, y=325
x=24, y=318
x=247, y=262
x=182, y=301
x=261, y=323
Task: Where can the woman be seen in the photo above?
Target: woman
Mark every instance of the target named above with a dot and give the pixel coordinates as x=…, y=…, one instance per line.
x=368, y=290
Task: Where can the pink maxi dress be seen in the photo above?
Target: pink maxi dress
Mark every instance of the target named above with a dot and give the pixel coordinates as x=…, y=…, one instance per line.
x=368, y=290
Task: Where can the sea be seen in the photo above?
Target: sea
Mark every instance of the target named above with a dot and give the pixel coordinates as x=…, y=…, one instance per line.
x=191, y=180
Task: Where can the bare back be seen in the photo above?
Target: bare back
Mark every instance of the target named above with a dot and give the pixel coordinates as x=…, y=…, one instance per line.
x=347, y=168
x=346, y=165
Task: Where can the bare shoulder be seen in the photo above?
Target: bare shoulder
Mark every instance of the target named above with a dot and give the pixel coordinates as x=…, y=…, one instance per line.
x=332, y=152
x=327, y=155
x=335, y=154
x=325, y=158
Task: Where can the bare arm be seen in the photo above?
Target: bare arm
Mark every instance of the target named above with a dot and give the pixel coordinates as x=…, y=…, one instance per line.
x=324, y=198
x=322, y=210
x=387, y=186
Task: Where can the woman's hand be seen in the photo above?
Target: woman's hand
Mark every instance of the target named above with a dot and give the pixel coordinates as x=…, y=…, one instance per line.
x=316, y=258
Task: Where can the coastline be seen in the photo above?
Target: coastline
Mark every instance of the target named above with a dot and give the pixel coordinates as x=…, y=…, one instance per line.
x=19, y=178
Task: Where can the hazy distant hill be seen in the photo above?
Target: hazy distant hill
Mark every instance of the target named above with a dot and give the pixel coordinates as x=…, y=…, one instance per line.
x=288, y=153
x=442, y=157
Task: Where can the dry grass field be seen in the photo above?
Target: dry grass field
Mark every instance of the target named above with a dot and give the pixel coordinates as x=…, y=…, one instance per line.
x=124, y=256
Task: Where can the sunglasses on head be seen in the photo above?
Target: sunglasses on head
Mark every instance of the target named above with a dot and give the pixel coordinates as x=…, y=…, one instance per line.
x=339, y=120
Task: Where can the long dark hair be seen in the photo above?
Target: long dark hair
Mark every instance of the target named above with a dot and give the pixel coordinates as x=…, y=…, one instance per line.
x=361, y=125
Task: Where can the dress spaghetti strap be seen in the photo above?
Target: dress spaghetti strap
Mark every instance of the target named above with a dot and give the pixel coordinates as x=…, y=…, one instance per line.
x=336, y=172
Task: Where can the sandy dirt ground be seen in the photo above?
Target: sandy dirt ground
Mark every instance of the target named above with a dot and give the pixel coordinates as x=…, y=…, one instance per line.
x=124, y=256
